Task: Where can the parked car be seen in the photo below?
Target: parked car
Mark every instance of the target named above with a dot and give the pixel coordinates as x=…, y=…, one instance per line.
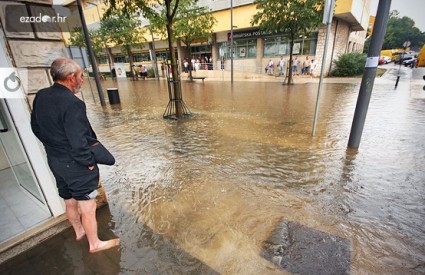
x=403, y=57
x=410, y=62
x=384, y=60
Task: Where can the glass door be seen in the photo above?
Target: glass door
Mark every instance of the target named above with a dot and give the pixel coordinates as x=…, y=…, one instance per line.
x=21, y=200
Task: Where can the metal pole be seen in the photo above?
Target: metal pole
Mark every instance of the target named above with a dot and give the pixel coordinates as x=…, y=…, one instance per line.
x=104, y=42
x=231, y=41
x=153, y=57
x=91, y=54
x=369, y=74
x=405, y=45
x=322, y=70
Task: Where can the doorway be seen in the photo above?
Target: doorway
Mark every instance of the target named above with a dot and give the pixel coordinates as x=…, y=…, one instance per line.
x=22, y=203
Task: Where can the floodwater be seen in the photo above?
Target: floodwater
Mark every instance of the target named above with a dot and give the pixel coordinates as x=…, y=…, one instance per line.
x=202, y=195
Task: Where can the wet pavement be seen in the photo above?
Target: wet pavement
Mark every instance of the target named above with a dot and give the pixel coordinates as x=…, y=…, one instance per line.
x=206, y=195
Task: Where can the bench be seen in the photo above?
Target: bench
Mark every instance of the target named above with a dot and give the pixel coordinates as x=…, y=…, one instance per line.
x=199, y=77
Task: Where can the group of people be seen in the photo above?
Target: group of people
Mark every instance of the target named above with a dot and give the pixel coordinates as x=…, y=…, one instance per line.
x=307, y=67
x=139, y=71
x=200, y=63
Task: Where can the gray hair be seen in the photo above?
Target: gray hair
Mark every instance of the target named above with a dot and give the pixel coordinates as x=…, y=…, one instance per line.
x=62, y=67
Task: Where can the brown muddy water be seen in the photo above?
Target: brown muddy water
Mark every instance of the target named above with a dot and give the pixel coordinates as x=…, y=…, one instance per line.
x=202, y=195
x=217, y=184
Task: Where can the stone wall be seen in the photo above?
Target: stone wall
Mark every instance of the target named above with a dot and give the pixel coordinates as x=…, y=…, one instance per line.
x=337, y=44
x=35, y=48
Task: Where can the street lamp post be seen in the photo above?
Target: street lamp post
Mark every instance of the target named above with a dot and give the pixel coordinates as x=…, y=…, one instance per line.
x=104, y=42
x=91, y=54
x=231, y=41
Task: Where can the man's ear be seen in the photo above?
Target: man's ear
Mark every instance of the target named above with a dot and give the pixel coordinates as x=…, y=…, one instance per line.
x=71, y=77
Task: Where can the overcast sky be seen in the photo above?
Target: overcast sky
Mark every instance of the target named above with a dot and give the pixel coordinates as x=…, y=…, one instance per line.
x=415, y=9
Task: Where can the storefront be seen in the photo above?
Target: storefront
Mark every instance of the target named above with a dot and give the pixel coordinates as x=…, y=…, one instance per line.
x=252, y=49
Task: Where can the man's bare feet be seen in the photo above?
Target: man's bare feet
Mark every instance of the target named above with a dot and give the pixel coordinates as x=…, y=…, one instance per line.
x=106, y=245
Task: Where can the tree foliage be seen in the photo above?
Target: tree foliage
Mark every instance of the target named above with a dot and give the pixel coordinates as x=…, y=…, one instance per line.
x=123, y=30
x=400, y=30
x=193, y=23
x=288, y=17
x=77, y=39
x=157, y=11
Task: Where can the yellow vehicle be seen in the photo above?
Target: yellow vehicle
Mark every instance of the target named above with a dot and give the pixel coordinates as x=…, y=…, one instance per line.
x=388, y=53
x=394, y=53
x=421, y=57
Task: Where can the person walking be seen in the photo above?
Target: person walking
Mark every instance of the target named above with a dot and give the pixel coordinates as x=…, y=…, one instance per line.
x=271, y=67
x=313, y=65
x=306, y=66
x=60, y=122
x=281, y=66
x=185, y=66
x=295, y=66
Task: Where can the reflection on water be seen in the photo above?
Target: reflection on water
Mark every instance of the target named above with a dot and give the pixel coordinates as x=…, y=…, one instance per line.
x=216, y=185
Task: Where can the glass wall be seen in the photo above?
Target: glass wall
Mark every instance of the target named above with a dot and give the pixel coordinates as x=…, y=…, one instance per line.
x=22, y=202
x=279, y=45
x=141, y=57
x=243, y=48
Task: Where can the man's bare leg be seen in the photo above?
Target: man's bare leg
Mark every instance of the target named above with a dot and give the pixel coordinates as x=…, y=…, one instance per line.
x=74, y=218
x=88, y=214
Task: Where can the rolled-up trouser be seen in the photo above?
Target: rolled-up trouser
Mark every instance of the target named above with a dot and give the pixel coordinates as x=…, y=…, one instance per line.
x=73, y=179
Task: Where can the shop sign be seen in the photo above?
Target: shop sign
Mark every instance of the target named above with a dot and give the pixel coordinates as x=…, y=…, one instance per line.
x=246, y=34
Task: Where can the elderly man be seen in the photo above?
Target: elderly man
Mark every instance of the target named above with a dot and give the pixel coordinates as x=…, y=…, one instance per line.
x=60, y=122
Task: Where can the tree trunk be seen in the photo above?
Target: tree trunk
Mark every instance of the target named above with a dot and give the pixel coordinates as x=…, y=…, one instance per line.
x=176, y=84
x=130, y=57
x=291, y=62
x=189, y=54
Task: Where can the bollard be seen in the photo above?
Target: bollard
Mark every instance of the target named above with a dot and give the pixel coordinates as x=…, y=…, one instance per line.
x=423, y=88
x=113, y=96
x=396, y=82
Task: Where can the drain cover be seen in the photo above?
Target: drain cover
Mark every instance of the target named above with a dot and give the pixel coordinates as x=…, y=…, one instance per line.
x=302, y=250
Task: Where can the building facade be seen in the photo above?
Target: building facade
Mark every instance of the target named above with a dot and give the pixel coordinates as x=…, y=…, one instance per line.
x=252, y=48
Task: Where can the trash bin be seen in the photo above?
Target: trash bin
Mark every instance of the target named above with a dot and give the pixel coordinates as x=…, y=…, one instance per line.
x=113, y=96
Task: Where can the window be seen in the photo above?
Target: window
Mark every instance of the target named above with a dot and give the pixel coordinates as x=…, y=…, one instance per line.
x=201, y=50
x=120, y=59
x=280, y=45
x=102, y=60
x=246, y=48
x=141, y=57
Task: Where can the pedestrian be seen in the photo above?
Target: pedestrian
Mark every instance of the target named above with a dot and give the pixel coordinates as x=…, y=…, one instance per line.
x=281, y=66
x=143, y=72
x=271, y=67
x=313, y=65
x=295, y=66
x=163, y=69
x=306, y=66
x=60, y=122
x=185, y=66
x=192, y=62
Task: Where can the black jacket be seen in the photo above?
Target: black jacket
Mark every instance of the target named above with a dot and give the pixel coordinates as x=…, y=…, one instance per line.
x=60, y=122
